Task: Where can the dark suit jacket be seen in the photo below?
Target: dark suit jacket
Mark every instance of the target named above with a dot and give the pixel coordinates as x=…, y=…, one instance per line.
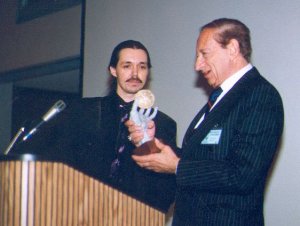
x=223, y=184
x=89, y=142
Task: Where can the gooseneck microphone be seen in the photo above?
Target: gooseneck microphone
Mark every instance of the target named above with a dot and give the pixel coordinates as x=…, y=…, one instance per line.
x=54, y=110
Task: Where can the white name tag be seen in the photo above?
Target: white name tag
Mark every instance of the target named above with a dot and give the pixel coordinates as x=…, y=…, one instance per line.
x=213, y=137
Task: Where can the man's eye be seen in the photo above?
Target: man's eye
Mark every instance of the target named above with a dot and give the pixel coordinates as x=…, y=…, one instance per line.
x=143, y=67
x=206, y=54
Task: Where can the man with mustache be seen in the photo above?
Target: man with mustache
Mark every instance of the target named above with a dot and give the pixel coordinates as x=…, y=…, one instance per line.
x=98, y=138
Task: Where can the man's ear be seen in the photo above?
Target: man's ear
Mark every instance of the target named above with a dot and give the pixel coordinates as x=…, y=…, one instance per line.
x=113, y=71
x=234, y=48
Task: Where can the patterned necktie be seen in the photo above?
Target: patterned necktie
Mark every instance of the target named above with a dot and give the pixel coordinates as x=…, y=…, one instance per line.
x=121, y=141
x=212, y=98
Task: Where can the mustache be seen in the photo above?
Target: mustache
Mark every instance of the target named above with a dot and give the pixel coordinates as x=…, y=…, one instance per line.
x=134, y=79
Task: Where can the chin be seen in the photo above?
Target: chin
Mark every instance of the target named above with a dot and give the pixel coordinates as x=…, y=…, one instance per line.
x=211, y=84
x=133, y=91
x=137, y=88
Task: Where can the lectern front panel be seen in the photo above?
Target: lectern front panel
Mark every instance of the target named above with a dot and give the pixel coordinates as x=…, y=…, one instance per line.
x=42, y=193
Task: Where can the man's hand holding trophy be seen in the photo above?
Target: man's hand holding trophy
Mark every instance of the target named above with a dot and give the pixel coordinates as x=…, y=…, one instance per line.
x=141, y=113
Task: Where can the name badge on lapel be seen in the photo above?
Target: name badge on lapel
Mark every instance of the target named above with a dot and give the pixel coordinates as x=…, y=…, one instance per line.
x=213, y=137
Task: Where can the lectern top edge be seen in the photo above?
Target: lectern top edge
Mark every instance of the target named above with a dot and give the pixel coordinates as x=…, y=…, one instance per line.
x=28, y=157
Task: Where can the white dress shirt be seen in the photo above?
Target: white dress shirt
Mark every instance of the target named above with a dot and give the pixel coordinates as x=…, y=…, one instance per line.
x=227, y=85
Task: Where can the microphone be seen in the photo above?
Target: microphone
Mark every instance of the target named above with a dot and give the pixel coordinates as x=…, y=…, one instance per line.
x=54, y=110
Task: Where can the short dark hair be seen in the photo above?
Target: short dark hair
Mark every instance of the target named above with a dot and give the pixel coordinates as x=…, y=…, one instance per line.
x=131, y=44
x=232, y=29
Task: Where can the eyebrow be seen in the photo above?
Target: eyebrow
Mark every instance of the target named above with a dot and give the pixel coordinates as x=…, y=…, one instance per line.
x=130, y=62
x=204, y=50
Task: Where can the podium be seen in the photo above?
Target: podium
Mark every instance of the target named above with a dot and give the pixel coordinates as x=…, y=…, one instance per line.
x=42, y=192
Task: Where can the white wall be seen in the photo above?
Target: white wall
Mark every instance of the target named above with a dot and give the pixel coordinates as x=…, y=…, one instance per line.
x=169, y=30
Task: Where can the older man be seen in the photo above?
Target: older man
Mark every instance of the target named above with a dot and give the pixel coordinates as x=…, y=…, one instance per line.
x=230, y=144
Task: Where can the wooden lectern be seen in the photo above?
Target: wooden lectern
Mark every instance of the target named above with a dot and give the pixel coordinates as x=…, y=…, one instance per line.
x=41, y=192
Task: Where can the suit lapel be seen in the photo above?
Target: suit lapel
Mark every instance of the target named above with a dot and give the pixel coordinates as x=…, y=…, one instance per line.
x=191, y=130
x=223, y=108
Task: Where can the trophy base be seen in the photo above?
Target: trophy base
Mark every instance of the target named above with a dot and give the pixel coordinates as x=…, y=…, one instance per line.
x=146, y=148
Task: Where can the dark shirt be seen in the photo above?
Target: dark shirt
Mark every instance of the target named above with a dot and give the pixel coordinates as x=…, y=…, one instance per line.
x=91, y=139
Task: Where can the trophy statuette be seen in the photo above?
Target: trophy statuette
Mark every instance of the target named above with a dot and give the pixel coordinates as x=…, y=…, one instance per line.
x=141, y=113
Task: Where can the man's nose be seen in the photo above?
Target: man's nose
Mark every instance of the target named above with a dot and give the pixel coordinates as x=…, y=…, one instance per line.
x=135, y=71
x=199, y=63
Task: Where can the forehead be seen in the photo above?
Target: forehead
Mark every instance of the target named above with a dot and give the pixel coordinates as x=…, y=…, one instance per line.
x=133, y=55
x=207, y=39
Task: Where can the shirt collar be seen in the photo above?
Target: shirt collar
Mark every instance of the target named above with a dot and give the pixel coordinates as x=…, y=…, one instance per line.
x=229, y=82
x=120, y=103
x=227, y=85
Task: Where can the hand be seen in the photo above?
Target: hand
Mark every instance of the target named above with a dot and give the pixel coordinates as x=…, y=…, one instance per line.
x=141, y=118
x=164, y=162
x=137, y=132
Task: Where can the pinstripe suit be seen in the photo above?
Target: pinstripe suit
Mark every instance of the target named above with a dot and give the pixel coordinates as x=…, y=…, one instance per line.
x=223, y=184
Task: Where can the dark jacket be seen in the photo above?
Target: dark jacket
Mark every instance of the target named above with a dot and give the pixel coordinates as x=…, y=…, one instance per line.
x=90, y=139
x=223, y=183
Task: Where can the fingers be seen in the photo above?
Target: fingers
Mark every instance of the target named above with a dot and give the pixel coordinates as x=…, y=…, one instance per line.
x=145, y=113
x=129, y=123
x=159, y=144
x=138, y=133
x=141, y=112
x=151, y=124
x=132, y=126
x=153, y=113
x=158, y=162
x=144, y=161
x=137, y=137
x=135, y=131
x=135, y=105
